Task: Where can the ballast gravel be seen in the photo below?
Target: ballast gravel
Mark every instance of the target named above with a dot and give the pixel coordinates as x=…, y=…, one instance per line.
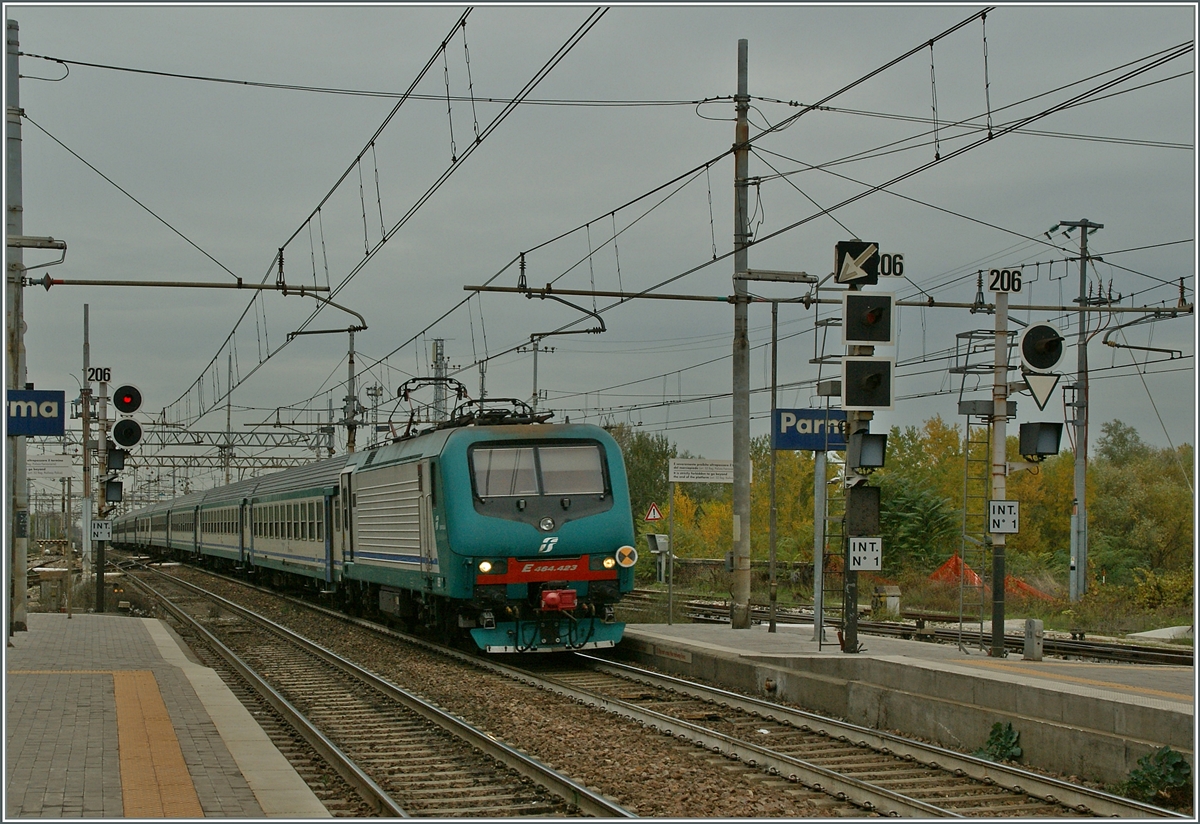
x=648, y=773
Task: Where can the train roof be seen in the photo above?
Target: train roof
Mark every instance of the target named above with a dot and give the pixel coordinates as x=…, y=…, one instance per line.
x=324, y=474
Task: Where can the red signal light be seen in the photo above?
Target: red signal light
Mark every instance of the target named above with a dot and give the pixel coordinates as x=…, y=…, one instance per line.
x=127, y=399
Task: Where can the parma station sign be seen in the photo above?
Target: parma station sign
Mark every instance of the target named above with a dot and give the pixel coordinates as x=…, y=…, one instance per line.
x=813, y=430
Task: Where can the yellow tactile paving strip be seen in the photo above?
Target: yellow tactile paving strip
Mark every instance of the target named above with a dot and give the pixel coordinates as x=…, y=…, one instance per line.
x=155, y=782
x=1092, y=682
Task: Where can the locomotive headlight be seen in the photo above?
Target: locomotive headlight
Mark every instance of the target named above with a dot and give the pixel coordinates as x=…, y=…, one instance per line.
x=610, y=562
x=546, y=524
x=485, y=567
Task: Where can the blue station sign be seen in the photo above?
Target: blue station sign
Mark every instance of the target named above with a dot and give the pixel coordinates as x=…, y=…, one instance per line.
x=814, y=430
x=36, y=412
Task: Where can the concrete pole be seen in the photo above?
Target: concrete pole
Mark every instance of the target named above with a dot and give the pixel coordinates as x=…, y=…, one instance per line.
x=439, y=371
x=740, y=613
x=819, y=491
x=1079, y=542
x=101, y=488
x=70, y=547
x=999, y=466
x=227, y=452
x=856, y=421
x=85, y=394
x=536, y=341
x=17, y=526
x=328, y=445
x=351, y=400
x=773, y=584
x=671, y=554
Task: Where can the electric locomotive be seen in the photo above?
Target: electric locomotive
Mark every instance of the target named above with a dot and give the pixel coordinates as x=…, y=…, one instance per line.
x=495, y=526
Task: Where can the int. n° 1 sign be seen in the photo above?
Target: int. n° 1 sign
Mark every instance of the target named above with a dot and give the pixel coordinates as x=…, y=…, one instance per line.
x=1004, y=517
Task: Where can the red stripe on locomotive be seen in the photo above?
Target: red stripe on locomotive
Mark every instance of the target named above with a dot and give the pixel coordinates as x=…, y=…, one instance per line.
x=522, y=571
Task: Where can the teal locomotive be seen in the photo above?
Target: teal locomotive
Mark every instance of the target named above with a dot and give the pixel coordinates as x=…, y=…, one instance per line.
x=505, y=529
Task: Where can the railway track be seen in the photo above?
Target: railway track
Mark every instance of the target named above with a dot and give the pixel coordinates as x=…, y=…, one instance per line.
x=700, y=611
x=405, y=756
x=875, y=772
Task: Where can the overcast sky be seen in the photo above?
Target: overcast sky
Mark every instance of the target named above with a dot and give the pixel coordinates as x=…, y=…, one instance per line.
x=238, y=170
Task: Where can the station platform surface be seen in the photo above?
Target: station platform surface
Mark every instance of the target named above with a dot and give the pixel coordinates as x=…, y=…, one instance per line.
x=108, y=716
x=1083, y=718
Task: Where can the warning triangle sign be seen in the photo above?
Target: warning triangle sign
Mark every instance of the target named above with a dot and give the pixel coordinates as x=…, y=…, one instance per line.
x=1040, y=386
x=654, y=514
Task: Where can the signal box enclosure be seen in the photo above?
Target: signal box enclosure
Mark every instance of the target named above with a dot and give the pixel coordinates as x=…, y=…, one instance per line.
x=862, y=511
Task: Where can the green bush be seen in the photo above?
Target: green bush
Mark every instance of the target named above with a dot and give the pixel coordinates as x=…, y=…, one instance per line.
x=1162, y=777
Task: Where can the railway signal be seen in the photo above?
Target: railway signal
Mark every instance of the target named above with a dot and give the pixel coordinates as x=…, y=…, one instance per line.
x=867, y=383
x=868, y=319
x=127, y=399
x=1041, y=347
x=127, y=432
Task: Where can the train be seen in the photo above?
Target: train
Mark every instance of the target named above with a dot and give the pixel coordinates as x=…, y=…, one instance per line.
x=496, y=529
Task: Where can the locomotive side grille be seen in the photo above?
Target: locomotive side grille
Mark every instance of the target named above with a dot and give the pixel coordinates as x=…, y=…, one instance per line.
x=388, y=511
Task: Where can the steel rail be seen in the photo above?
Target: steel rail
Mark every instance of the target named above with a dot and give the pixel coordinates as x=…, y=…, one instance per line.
x=1049, y=789
x=333, y=755
x=844, y=787
x=1022, y=781
x=1130, y=653
x=589, y=802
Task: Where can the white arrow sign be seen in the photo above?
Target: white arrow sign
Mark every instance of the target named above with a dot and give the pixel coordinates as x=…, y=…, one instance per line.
x=1040, y=386
x=852, y=267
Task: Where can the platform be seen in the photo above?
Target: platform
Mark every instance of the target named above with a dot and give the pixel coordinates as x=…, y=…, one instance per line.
x=1085, y=719
x=108, y=716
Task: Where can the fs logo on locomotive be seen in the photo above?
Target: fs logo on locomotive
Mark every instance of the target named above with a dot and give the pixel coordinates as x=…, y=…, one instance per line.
x=547, y=544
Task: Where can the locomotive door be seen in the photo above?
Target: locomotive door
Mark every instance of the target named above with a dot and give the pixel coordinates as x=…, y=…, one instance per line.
x=425, y=516
x=346, y=503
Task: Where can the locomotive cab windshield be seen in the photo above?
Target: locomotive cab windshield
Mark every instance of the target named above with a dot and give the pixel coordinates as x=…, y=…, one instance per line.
x=533, y=482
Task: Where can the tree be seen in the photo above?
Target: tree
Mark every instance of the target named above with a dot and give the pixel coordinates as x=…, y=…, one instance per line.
x=1140, y=504
x=920, y=496
x=647, y=462
x=793, y=503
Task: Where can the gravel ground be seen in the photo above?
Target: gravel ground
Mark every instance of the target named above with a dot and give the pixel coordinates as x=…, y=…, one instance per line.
x=648, y=773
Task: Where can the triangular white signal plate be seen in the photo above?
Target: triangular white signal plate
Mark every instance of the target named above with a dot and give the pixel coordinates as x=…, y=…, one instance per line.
x=1041, y=387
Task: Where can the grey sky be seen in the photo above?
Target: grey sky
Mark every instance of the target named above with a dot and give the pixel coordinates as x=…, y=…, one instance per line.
x=238, y=169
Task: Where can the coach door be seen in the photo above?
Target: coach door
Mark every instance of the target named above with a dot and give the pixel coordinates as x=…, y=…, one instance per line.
x=243, y=528
x=347, y=504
